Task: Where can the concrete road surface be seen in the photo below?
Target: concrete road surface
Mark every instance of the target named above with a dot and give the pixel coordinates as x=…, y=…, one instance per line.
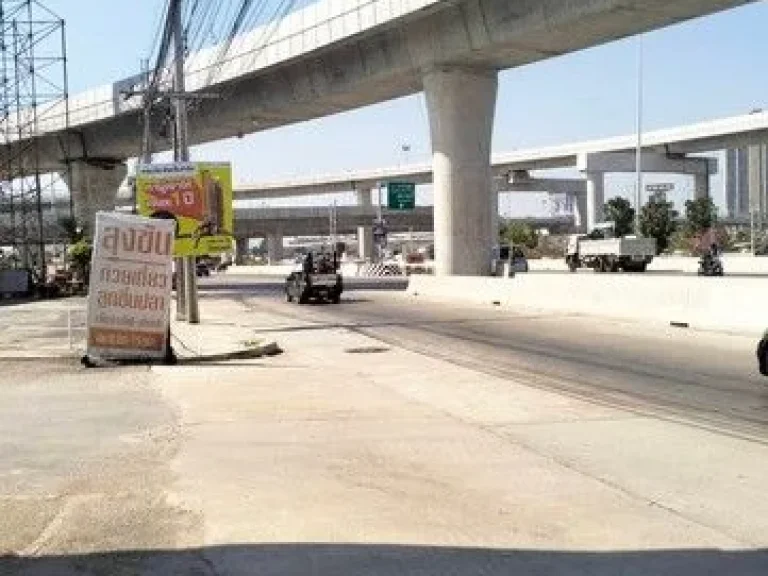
x=708, y=378
x=392, y=438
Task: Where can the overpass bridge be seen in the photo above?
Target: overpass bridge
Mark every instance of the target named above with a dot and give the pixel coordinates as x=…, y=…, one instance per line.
x=274, y=224
x=336, y=55
x=666, y=150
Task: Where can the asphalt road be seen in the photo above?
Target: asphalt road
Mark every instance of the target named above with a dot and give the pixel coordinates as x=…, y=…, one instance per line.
x=706, y=378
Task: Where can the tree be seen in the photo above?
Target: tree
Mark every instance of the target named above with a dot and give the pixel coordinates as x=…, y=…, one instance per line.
x=620, y=211
x=519, y=234
x=658, y=220
x=700, y=215
x=80, y=256
x=71, y=228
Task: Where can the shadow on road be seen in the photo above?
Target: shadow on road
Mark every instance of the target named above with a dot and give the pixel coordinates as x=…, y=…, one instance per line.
x=353, y=559
x=270, y=286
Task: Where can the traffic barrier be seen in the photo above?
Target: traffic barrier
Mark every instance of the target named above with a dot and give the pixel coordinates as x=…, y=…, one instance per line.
x=741, y=264
x=720, y=303
x=379, y=270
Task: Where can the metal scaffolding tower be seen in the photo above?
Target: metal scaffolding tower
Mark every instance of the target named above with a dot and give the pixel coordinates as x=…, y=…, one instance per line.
x=33, y=99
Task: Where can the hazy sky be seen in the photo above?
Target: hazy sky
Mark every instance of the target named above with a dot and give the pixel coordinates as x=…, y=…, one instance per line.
x=703, y=69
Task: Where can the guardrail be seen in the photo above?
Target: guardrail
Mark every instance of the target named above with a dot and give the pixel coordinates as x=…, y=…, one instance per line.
x=724, y=304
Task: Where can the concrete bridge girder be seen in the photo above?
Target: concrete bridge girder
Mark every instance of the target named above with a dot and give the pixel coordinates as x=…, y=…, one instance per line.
x=383, y=60
x=651, y=162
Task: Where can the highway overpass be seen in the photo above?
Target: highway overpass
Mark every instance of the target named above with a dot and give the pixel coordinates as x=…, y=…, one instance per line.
x=280, y=222
x=334, y=56
x=674, y=144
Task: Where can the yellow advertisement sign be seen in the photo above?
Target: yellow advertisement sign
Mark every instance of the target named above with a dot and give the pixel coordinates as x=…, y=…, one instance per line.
x=197, y=196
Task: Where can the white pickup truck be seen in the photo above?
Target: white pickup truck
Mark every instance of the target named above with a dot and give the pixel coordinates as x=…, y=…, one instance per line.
x=608, y=254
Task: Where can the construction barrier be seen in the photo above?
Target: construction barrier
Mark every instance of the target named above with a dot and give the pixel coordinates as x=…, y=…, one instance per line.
x=379, y=270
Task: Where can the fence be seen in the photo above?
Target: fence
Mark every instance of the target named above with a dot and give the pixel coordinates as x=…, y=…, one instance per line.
x=43, y=329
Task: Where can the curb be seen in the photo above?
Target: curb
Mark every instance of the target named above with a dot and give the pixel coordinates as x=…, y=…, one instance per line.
x=259, y=351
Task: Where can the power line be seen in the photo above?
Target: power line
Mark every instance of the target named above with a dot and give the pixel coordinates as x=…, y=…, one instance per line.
x=159, y=22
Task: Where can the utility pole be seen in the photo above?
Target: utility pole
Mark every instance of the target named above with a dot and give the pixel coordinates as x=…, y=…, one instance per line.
x=181, y=153
x=146, y=158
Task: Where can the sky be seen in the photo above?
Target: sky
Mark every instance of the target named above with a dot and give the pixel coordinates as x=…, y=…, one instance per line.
x=703, y=69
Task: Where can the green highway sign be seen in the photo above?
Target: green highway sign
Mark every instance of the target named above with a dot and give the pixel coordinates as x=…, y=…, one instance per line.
x=401, y=195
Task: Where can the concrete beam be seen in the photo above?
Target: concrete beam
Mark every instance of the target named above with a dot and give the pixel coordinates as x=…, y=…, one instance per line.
x=551, y=185
x=652, y=162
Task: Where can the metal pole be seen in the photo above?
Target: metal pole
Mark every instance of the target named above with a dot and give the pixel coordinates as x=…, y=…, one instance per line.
x=65, y=79
x=182, y=142
x=379, y=248
x=639, y=148
x=378, y=211
x=42, y=263
x=146, y=138
x=24, y=243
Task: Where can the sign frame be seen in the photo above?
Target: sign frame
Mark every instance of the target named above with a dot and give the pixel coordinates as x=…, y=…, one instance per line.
x=129, y=297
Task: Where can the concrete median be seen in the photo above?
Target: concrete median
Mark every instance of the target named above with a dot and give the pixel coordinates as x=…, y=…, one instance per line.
x=727, y=304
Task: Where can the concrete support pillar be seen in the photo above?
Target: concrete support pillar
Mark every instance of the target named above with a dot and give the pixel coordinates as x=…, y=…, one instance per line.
x=500, y=184
x=461, y=105
x=365, y=242
x=580, y=212
x=364, y=197
x=365, y=248
x=700, y=186
x=241, y=250
x=595, y=198
x=275, y=247
x=93, y=189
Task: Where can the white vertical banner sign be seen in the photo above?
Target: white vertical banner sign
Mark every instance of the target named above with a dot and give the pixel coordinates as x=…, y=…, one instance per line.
x=130, y=286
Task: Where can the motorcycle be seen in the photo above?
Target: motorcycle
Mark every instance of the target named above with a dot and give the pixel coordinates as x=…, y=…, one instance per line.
x=710, y=265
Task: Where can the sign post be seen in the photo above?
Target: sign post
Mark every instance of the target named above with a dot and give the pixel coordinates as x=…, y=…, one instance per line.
x=130, y=289
x=401, y=195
